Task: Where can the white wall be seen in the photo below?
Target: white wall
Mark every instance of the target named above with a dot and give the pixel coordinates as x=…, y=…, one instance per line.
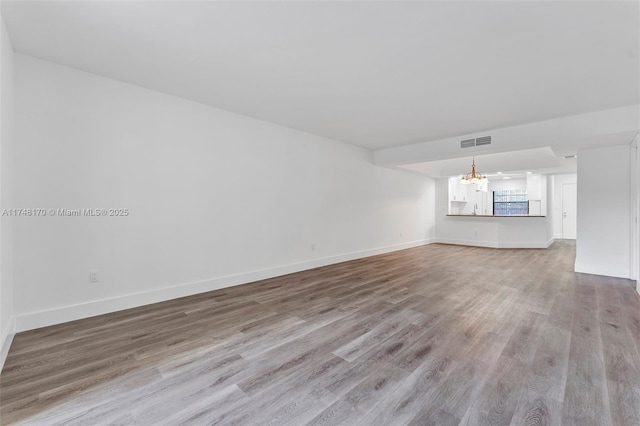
x=550, y=202
x=634, y=181
x=499, y=184
x=603, y=231
x=6, y=192
x=556, y=212
x=215, y=198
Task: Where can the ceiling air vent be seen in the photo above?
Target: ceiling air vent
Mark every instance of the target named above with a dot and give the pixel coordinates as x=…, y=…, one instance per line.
x=468, y=143
x=485, y=140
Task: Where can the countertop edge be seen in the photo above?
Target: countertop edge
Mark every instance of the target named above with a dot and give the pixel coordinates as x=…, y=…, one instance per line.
x=487, y=215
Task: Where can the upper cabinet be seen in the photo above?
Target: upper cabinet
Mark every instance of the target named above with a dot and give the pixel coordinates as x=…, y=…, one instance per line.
x=537, y=194
x=534, y=187
x=457, y=191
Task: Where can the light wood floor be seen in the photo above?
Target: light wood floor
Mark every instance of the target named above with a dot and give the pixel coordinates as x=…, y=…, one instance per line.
x=433, y=335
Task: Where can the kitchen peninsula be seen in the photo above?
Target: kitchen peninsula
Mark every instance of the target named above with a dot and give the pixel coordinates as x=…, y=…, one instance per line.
x=456, y=222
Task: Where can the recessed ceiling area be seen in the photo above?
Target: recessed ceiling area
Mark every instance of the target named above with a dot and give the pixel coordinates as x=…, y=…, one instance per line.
x=538, y=160
x=374, y=74
x=536, y=146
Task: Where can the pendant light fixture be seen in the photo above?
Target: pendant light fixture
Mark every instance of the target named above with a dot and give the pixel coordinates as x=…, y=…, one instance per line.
x=473, y=176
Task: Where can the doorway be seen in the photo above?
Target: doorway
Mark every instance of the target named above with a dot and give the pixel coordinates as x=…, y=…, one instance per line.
x=569, y=211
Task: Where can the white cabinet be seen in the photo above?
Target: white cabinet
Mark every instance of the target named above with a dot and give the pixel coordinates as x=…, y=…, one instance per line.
x=537, y=194
x=535, y=207
x=457, y=192
x=534, y=187
x=469, y=199
x=461, y=197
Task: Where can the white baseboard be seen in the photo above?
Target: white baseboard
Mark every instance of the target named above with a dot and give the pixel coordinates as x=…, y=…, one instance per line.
x=494, y=244
x=7, y=339
x=31, y=320
x=527, y=244
x=600, y=270
x=475, y=243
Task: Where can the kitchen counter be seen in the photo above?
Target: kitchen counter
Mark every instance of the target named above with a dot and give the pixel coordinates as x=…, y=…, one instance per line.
x=489, y=215
x=494, y=231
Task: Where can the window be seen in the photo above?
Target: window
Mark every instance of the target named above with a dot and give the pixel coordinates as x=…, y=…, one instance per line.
x=510, y=202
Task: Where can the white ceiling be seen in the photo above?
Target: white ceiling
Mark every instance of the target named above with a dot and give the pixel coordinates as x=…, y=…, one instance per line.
x=376, y=74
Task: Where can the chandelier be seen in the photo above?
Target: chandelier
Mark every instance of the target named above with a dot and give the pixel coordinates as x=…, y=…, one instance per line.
x=473, y=176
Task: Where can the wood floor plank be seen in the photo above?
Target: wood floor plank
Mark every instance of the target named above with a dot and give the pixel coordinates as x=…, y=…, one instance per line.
x=526, y=338
x=585, y=405
x=362, y=398
x=536, y=409
x=622, y=368
x=409, y=396
x=498, y=399
x=552, y=354
x=436, y=334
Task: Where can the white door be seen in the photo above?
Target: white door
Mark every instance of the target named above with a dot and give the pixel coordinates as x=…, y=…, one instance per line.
x=569, y=210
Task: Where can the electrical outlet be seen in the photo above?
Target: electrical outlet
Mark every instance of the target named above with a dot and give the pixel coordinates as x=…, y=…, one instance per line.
x=94, y=277
x=313, y=247
x=401, y=235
